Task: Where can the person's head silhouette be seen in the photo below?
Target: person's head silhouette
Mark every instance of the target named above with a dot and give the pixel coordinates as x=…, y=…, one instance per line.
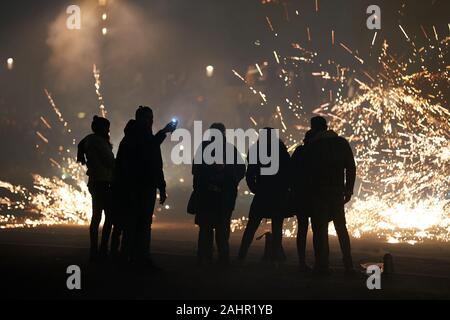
x=319, y=124
x=100, y=126
x=145, y=115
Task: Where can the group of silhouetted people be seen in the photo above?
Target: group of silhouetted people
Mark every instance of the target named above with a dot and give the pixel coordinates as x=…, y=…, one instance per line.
x=313, y=185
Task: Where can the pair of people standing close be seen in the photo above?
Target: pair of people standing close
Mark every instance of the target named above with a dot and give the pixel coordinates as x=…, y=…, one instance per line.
x=131, y=187
x=314, y=184
x=215, y=192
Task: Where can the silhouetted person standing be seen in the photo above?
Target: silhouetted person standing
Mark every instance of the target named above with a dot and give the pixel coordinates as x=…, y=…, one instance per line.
x=140, y=173
x=330, y=178
x=124, y=182
x=271, y=196
x=95, y=151
x=300, y=197
x=215, y=192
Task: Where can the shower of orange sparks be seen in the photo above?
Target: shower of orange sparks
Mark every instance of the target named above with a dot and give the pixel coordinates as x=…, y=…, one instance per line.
x=388, y=214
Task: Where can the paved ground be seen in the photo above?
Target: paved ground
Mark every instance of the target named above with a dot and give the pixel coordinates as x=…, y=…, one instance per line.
x=34, y=261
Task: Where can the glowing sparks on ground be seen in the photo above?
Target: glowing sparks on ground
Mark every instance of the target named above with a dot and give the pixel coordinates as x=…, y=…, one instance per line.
x=62, y=199
x=399, y=128
x=52, y=201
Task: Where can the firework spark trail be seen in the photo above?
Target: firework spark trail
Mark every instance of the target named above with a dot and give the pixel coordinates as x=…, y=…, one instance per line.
x=56, y=200
x=351, y=52
x=97, y=85
x=45, y=122
x=51, y=201
x=42, y=137
x=56, y=110
x=397, y=124
x=400, y=131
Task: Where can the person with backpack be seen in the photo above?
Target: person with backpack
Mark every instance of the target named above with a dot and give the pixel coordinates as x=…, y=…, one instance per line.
x=95, y=151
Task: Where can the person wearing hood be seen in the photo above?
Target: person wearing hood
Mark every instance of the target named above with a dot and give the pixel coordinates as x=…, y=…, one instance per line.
x=95, y=151
x=139, y=176
x=122, y=182
x=330, y=179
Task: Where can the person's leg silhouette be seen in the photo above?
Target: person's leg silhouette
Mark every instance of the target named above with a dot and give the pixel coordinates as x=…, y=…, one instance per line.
x=320, y=240
x=277, y=239
x=302, y=234
x=247, y=238
x=340, y=225
x=205, y=244
x=222, y=241
x=98, y=205
x=146, y=204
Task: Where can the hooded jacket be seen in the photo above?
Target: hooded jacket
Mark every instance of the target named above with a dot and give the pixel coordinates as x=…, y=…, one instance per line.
x=139, y=160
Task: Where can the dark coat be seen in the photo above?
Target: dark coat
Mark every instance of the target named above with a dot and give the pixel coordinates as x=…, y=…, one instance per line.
x=330, y=168
x=271, y=191
x=139, y=160
x=138, y=166
x=126, y=162
x=216, y=187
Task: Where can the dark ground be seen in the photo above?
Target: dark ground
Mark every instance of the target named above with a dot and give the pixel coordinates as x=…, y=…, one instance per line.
x=34, y=261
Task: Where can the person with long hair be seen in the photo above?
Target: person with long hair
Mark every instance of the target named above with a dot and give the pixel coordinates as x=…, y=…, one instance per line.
x=95, y=151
